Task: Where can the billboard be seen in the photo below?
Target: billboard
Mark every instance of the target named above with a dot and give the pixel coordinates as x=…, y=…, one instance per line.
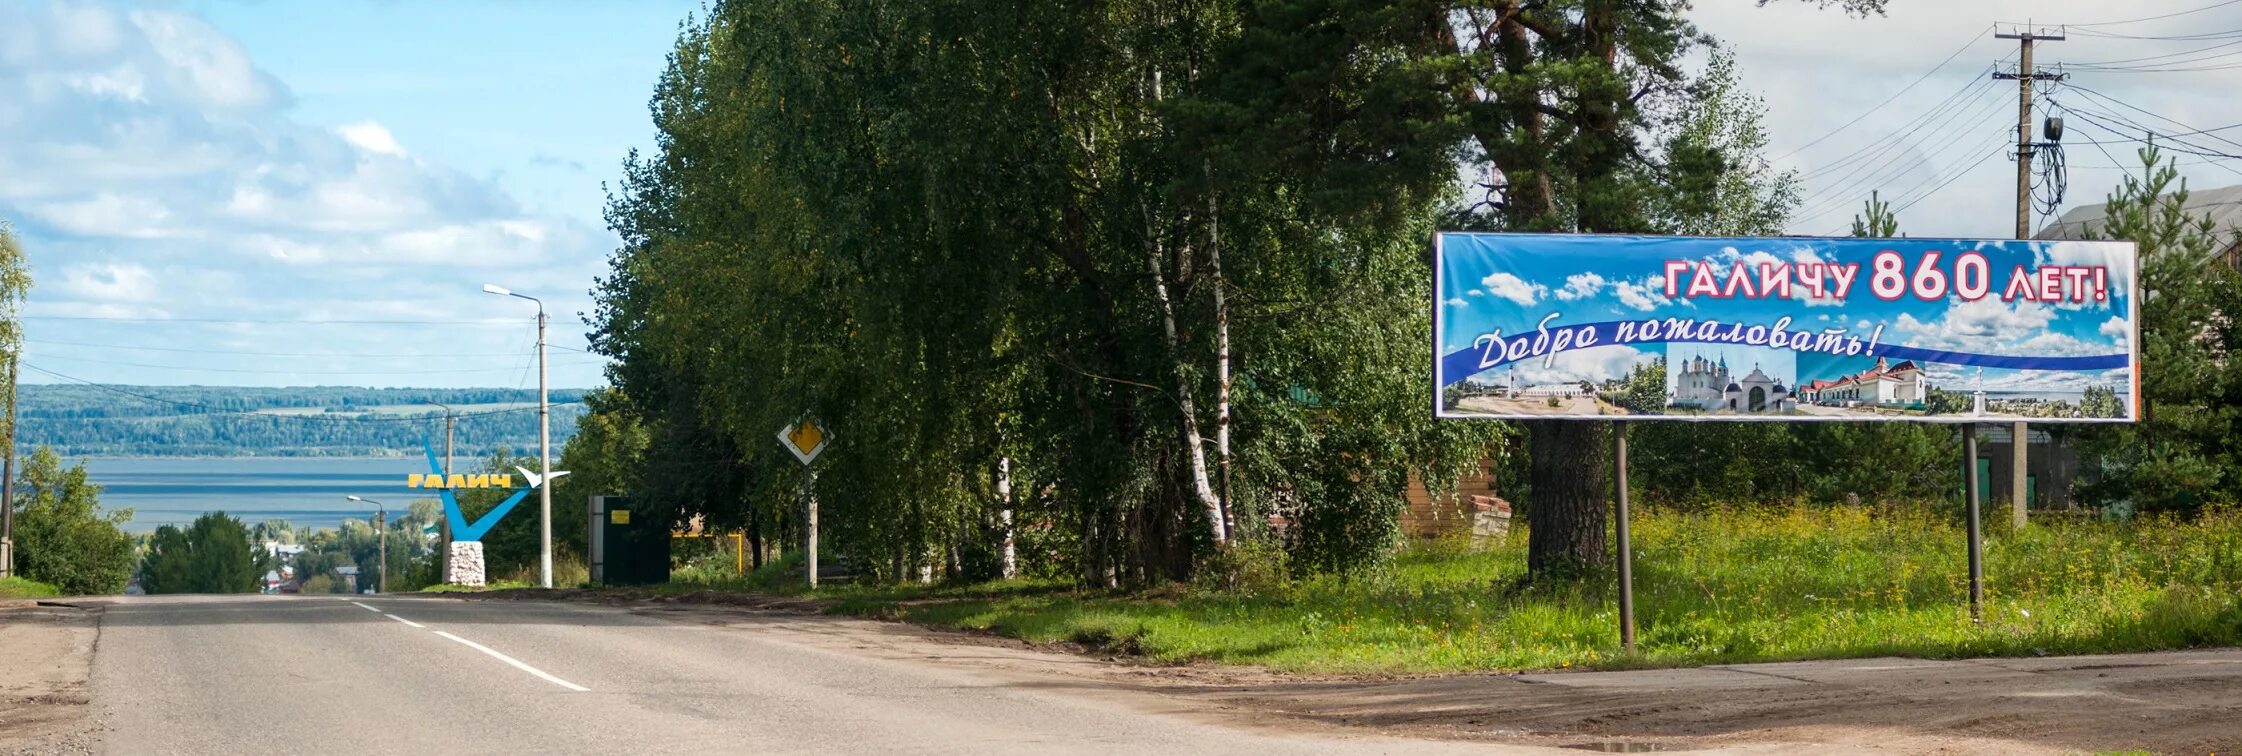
x=1540, y=326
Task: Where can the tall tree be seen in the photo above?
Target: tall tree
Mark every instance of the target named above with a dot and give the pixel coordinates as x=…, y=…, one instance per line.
x=2182, y=454
x=63, y=536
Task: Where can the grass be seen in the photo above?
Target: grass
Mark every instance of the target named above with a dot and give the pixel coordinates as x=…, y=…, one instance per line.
x=1718, y=587
x=17, y=587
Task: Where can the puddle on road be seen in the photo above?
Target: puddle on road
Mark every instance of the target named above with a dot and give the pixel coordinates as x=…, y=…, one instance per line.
x=1623, y=746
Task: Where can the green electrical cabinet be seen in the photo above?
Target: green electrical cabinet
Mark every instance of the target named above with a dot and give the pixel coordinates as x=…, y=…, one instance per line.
x=629, y=546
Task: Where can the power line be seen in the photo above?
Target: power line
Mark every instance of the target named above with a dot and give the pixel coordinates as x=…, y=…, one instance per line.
x=1886, y=163
x=2145, y=58
x=1881, y=144
x=2090, y=92
x=2213, y=6
x=1895, y=95
x=209, y=410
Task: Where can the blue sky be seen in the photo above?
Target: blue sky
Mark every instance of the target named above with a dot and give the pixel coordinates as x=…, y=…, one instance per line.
x=202, y=188
x=1492, y=282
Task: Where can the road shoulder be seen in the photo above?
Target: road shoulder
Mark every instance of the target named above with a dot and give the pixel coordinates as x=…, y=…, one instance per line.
x=46, y=659
x=2165, y=702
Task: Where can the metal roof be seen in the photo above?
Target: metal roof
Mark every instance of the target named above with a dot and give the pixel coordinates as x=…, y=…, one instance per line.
x=2223, y=205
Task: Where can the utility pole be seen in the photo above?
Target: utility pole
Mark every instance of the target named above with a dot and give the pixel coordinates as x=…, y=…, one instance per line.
x=444, y=526
x=381, y=531
x=2025, y=35
x=544, y=460
x=8, y=479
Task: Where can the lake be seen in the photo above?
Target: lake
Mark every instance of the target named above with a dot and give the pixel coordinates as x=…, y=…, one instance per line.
x=302, y=490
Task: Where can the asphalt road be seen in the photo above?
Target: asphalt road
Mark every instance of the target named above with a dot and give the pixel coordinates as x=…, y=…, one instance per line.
x=269, y=674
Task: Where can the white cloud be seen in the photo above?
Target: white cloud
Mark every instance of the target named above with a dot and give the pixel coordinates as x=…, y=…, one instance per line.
x=109, y=283
x=1515, y=289
x=154, y=170
x=1989, y=326
x=2117, y=330
x=1580, y=286
x=371, y=137
x=1455, y=302
x=1646, y=295
x=1477, y=292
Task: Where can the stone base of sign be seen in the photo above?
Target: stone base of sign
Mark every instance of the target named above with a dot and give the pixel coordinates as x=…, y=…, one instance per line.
x=1490, y=520
x=465, y=565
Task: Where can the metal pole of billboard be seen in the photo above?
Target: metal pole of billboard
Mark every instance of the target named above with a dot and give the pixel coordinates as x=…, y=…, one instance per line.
x=1977, y=547
x=1626, y=548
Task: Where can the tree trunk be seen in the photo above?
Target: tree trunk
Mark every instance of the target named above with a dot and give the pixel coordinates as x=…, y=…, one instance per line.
x=1565, y=522
x=1005, y=551
x=1193, y=442
x=1221, y=356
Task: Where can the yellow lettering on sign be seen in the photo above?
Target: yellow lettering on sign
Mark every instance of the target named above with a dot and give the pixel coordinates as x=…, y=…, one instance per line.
x=503, y=481
x=478, y=481
x=619, y=516
x=414, y=480
x=456, y=481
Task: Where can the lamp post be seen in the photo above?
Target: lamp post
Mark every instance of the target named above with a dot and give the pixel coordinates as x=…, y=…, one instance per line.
x=444, y=545
x=544, y=445
x=381, y=532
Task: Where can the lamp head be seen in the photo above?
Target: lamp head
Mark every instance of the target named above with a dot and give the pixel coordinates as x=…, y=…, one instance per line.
x=498, y=290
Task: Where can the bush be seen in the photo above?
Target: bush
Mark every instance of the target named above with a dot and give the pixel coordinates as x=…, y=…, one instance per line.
x=62, y=536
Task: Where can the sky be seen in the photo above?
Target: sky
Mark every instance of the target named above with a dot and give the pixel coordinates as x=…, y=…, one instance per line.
x=1516, y=287
x=194, y=181
x=1935, y=134
x=265, y=193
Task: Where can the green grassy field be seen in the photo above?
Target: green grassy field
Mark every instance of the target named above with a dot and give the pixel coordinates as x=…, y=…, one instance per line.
x=1711, y=588
x=13, y=587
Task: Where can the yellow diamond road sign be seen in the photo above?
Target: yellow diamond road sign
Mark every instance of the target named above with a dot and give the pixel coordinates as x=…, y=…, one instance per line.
x=805, y=439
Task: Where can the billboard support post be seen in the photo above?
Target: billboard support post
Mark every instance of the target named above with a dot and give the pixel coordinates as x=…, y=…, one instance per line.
x=1626, y=549
x=1970, y=482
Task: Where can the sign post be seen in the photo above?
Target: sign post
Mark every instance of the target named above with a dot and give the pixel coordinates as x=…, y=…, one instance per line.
x=806, y=440
x=1968, y=332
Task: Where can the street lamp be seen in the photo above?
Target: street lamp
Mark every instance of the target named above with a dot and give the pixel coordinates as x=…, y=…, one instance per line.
x=381, y=531
x=544, y=445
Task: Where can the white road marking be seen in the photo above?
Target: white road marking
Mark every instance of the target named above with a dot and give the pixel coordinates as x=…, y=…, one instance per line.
x=365, y=607
x=516, y=663
x=406, y=621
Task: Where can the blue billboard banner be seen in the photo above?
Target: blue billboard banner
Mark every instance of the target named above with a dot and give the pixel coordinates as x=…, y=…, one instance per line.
x=1542, y=326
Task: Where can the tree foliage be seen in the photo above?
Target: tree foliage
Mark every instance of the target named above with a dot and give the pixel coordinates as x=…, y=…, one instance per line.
x=62, y=536
x=214, y=554
x=2182, y=454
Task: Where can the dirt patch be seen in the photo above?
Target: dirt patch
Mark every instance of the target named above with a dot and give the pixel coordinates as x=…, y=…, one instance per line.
x=2177, y=702
x=46, y=654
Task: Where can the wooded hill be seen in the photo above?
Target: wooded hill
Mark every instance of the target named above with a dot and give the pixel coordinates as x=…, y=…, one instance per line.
x=317, y=421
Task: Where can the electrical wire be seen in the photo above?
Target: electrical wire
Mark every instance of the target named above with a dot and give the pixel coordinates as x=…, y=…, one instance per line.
x=1884, y=143
x=2191, y=130
x=1895, y=95
x=1889, y=159
x=2191, y=11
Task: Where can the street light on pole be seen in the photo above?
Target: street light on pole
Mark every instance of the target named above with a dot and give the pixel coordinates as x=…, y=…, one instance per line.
x=381, y=531
x=443, y=556
x=544, y=444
